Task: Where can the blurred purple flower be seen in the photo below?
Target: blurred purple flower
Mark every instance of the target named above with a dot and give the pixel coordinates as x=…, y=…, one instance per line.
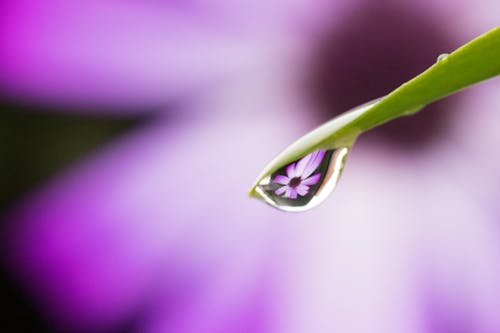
x=297, y=180
x=126, y=234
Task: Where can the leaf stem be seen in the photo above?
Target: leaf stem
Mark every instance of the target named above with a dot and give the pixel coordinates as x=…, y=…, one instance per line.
x=474, y=62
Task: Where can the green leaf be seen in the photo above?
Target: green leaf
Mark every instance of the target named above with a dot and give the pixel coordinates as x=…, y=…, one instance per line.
x=474, y=62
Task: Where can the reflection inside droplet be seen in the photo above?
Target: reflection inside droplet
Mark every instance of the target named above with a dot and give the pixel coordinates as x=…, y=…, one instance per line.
x=304, y=183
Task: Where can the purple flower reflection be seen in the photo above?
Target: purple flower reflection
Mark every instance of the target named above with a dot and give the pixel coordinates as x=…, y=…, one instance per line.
x=298, y=177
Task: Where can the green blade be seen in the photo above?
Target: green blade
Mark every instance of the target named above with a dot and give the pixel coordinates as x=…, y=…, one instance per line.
x=474, y=62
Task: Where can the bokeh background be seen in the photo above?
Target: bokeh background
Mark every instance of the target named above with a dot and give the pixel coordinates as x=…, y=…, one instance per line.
x=131, y=130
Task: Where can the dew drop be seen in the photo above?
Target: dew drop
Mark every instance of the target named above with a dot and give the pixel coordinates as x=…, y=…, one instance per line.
x=442, y=57
x=304, y=183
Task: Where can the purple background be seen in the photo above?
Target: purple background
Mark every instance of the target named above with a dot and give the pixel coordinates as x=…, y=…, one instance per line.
x=130, y=132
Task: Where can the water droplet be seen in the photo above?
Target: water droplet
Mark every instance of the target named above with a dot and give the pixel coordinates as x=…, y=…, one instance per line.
x=442, y=57
x=304, y=183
